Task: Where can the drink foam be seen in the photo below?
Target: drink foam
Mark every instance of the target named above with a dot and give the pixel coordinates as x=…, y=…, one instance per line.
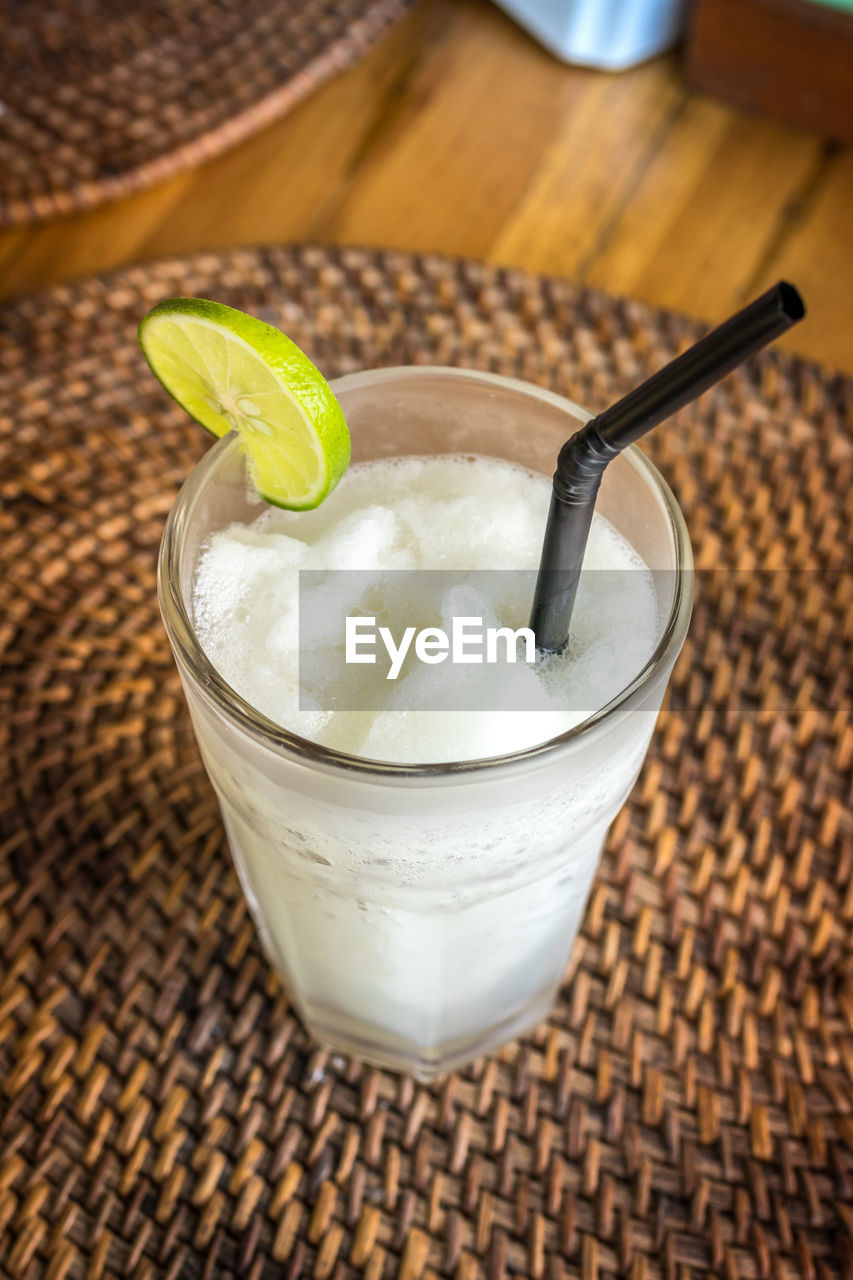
x=449, y=513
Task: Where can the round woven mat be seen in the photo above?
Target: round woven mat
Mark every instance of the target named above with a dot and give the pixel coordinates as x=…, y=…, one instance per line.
x=687, y=1109
x=102, y=98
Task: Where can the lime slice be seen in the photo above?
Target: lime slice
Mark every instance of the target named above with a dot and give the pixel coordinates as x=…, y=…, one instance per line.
x=231, y=371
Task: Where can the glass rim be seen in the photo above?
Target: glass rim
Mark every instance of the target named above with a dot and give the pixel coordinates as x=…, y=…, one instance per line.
x=189, y=652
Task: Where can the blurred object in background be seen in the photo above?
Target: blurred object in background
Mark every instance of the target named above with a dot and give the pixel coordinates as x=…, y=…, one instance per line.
x=611, y=34
x=792, y=59
x=102, y=98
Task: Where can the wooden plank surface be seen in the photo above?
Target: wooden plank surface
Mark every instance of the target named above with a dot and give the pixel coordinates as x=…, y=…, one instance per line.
x=460, y=135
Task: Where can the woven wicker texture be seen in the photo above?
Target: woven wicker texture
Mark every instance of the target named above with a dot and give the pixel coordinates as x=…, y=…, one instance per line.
x=102, y=98
x=686, y=1111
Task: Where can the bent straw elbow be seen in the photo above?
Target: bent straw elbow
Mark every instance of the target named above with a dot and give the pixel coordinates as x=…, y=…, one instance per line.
x=580, y=466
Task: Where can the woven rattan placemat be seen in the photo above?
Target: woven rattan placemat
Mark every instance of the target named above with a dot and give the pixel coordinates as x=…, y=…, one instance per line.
x=687, y=1110
x=101, y=98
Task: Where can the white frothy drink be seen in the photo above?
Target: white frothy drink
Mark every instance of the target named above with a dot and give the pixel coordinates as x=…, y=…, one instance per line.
x=412, y=514
x=420, y=920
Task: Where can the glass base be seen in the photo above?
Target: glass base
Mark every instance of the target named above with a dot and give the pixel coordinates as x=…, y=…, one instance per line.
x=334, y=1030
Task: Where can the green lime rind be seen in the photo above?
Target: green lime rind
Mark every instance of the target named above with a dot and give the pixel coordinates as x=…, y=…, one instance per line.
x=229, y=371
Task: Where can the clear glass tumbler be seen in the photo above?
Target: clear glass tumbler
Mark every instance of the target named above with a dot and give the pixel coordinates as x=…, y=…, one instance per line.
x=421, y=915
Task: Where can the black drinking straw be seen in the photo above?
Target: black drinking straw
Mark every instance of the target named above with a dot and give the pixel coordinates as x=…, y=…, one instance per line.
x=582, y=459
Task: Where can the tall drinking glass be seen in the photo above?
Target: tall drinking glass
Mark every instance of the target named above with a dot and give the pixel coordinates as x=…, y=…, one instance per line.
x=421, y=915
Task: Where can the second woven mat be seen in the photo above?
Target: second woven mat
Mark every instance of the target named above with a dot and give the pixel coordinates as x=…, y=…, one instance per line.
x=686, y=1110
x=102, y=98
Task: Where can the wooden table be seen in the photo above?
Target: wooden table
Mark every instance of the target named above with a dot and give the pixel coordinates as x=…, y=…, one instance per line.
x=459, y=134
